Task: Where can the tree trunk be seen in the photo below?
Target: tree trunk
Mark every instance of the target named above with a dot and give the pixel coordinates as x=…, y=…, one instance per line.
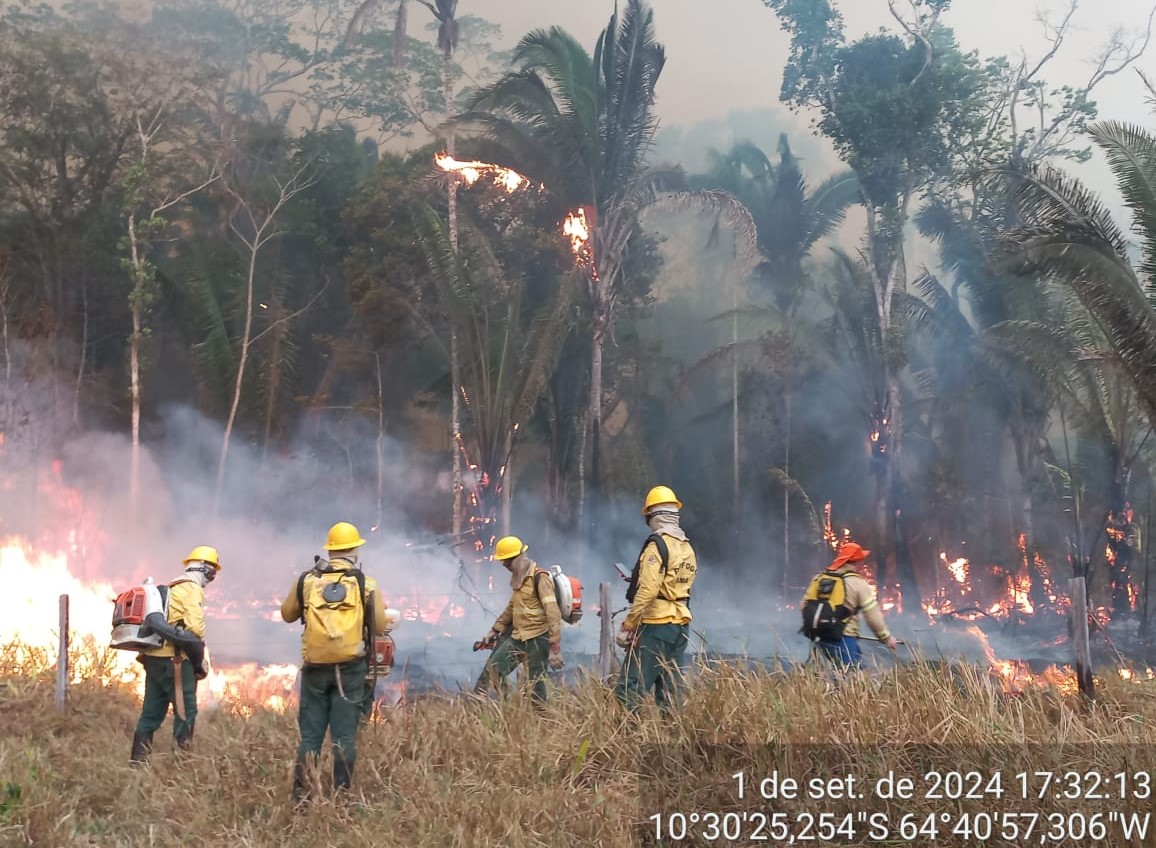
x=274, y=378
x=904, y=568
x=787, y=505
x=735, y=409
x=580, y=518
x=888, y=271
x=244, y=360
x=507, y=482
x=380, y=446
x=598, y=340
x=83, y=348
x=134, y=362
x=455, y=377
x=4, y=321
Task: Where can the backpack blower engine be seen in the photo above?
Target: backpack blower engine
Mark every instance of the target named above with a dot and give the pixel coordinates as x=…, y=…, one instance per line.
x=140, y=623
x=383, y=646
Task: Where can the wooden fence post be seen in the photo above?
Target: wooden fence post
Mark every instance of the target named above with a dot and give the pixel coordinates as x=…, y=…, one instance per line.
x=1077, y=590
x=62, y=658
x=605, y=637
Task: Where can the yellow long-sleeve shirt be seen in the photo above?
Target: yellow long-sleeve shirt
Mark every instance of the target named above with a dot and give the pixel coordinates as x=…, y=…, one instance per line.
x=532, y=609
x=662, y=597
x=186, y=609
x=860, y=597
x=321, y=647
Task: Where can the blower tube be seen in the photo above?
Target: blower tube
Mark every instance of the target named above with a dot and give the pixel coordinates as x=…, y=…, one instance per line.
x=186, y=641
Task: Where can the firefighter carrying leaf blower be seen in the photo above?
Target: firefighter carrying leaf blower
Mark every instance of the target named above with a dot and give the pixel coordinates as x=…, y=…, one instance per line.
x=167, y=625
x=529, y=630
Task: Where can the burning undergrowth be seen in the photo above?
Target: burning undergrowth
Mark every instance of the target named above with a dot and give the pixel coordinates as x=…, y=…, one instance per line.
x=66, y=528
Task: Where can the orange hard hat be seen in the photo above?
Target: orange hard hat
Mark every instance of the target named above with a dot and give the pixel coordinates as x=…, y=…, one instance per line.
x=850, y=552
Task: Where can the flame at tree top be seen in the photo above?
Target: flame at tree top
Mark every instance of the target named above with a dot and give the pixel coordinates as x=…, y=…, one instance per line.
x=471, y=172
x=577, y=225
x=577, y=228
x=833, y=539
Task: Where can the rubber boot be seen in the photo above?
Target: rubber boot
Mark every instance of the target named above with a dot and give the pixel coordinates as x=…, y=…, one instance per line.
x=342, y=775
x=142, y=744
x=300, y=784
x=185, y=741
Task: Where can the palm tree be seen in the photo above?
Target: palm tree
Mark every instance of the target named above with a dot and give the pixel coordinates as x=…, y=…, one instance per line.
x=789, y=217
x=583, y=127
x=1069, y=238
x=789, y=220
x=507, y=349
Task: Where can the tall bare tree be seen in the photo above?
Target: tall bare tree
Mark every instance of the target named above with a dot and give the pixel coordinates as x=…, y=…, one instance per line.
x=254, y=222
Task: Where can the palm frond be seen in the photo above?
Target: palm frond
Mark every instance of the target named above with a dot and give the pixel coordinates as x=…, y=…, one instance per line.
x=1131, y=153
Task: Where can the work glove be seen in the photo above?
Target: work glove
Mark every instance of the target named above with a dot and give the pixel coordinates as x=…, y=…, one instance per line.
x=556, y=657
x=488, y=641
x=624, y=638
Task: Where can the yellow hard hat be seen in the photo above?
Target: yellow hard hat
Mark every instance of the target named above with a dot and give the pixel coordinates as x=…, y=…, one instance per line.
x=343, y=536
x=660, y=496
x=509, y=547
x=203, y=553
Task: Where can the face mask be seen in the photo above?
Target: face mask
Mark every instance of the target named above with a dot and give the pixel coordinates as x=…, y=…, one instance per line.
x=207, y=572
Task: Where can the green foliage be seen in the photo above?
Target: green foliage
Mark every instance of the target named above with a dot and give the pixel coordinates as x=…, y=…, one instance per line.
x=11, y=802
x=816, y=30
x=788, y=218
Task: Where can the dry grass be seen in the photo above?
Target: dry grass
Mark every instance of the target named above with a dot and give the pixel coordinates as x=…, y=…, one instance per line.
x=469, y=773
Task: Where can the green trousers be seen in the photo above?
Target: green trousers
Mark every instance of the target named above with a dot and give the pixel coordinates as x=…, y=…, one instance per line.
x=487, y=680
x=655, y=662
x=511, y=653
x=325, y=705
x=368, y=699
x=160, y=693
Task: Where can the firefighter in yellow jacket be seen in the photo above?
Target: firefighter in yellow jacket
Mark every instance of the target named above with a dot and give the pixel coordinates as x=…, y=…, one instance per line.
x=170, y=677
x=339, y=606
x=536, y=636
x=656, y=629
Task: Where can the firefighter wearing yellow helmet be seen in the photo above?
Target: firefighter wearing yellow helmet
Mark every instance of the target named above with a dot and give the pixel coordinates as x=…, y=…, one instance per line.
x=341, y=611
x=170, y=678
x=532, y=618
x=657, y=626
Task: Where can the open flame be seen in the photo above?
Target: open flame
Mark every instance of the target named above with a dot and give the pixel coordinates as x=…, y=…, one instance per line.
x=29, y=630
x=1016, y=676
x=471, y=172
x=30, y=624
x=576, y=226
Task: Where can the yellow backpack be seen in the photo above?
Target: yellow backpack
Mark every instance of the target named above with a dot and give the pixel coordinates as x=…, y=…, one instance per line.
x=824, y=610
x=335, y=613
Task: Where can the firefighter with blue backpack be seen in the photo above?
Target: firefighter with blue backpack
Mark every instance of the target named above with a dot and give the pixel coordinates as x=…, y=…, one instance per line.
x=342, y=612
x=832, y=604
x=656, y=629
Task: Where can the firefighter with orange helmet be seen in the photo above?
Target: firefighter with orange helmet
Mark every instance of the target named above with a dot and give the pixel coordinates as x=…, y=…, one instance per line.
x=532, y=617
x=832, y=604
x=336, y=603
x=171, y=679
x=656, y=629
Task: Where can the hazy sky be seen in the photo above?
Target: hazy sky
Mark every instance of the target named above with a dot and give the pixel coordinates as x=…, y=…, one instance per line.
x=728, y=55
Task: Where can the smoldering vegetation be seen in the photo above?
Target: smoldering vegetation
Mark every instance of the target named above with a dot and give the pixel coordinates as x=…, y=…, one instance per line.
x=861, y=333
